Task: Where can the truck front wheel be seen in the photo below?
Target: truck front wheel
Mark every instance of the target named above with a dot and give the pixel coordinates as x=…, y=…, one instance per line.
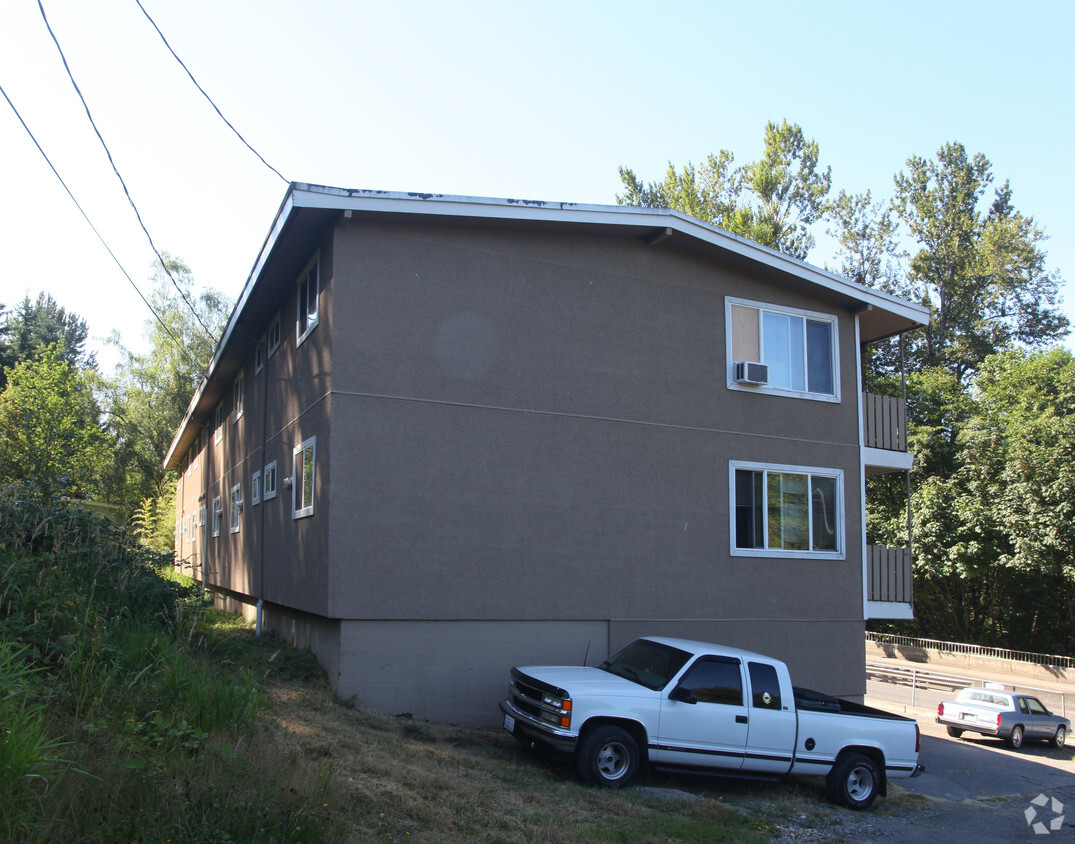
x=607, y=756
x=853, y=781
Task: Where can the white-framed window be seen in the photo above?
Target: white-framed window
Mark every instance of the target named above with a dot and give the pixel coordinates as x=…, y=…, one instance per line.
x=218, y=423
x=797, y=348
x=786, y=511
x=255, y=488
x=201, y=516
x=269, y=484
x=238, y=397
x=272, y=337
x=309, y=286
x=259, y=356
x=302, y=484
x=193, y=528
x=218, y=515
x=236, y=507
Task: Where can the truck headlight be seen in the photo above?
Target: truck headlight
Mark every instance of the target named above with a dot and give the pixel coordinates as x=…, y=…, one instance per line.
x=556, y=710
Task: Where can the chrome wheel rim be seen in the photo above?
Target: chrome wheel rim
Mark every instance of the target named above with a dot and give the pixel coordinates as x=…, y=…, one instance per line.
x=1061, y=736
x=860, y=783
x=613, y=761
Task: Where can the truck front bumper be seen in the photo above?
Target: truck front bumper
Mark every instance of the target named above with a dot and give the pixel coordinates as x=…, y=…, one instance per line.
x=528, y=729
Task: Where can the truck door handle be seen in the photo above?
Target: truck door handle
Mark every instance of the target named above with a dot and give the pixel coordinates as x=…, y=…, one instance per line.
x=740, y=719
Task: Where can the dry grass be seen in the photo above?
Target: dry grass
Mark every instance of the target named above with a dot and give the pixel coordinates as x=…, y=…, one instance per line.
x=397, y=779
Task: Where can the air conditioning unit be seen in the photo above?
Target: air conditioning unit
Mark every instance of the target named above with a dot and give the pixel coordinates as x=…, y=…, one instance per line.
x=749, y=372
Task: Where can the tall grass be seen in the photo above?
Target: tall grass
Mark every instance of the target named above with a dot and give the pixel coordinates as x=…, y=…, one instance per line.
x=117, y=723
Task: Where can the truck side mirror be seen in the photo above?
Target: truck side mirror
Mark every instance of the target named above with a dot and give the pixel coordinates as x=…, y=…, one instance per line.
x=682, y=694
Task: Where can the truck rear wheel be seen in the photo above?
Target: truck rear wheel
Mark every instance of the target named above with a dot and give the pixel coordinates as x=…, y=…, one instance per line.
x=607, y=756
x=853, y=781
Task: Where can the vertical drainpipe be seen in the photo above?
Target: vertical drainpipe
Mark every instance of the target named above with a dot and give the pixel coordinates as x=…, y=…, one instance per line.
x=860, y=392
x=907, y=474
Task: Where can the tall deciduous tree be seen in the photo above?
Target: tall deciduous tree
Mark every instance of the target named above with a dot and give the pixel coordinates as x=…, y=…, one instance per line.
x=51, y=441
x=773, y=200
x=978, y=265
x=148, y=397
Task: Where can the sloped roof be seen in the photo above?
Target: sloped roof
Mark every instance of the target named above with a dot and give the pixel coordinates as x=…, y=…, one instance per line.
x=308, y=209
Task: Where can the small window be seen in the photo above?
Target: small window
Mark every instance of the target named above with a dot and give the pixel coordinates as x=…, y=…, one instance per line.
x=798, y=349
x=764, y=685
x=259, y=356
x=308, y=290
x=272, y=337
x=201, y=516
x=236, y=508
x=715, y=680
x=786, y=511
x=269, y=486
x=302, y=487
x=238, y=398
x=218, y=423
x=255, y=488
x=218, y=511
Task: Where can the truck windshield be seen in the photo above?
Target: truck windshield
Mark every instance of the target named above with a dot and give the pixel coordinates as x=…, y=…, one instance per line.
x=650, y=664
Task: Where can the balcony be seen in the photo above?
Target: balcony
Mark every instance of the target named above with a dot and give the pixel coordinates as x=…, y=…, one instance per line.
x=884, y=434
x=889, y=588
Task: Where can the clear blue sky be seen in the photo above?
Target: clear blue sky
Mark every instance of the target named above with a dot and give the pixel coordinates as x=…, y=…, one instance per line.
x=523, y=100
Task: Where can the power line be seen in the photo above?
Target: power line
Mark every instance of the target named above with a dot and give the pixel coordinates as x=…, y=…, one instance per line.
x=108, y=249
x=210, y=99
x=70, y=75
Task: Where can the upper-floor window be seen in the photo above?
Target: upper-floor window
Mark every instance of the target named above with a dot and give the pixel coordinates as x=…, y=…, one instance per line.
x=308, y=289
x=302, y=487
x=796, y=350
x=238, y=398
x=218, y=511
x=255, y=488
x=259, y=356
x=786, y=511
x=218, y=423
x=272, y=337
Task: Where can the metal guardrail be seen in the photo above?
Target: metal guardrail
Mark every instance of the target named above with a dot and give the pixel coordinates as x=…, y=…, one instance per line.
x=919, y=680
x=973, y=650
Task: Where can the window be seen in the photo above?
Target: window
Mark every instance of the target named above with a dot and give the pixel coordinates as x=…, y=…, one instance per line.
x=797, y=347
x=715, y=679
x=786, y=511
x=764, y=686
x=302, y=487
x=259, y=356
x=269, y=486
x=217, y=515
x=236, y=507
x=255, y=488
x=272, y=337
x=308, y=288
x=238, y=394
x=218, y=423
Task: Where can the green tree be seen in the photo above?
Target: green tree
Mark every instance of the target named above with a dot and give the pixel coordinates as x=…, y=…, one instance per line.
x=979, y=266
x=996, y=538
x=35, y=326
x=148, y=396
x=773, y=200
x=51, y=441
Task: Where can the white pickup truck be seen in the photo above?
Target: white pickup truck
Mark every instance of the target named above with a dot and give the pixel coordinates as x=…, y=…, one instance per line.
x=679, y=705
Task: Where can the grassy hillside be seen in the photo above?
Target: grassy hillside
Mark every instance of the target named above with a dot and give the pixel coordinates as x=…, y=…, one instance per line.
x=129, y=711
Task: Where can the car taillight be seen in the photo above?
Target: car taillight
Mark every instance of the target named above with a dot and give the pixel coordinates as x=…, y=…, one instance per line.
x=998, y=719
x=940, y=709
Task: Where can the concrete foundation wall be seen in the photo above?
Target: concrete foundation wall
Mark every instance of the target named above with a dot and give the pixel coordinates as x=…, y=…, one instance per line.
x=939, y=660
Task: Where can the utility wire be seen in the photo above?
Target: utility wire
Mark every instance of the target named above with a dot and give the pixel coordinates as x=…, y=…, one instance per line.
x=108, y=249
x=205, y=328
x=210, y=99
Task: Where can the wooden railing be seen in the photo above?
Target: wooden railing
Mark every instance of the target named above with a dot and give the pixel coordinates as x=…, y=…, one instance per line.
x=888, y=574
x=884, y=421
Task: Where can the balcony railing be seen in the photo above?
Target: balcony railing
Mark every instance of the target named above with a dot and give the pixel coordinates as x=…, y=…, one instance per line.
x=884, y=420
x=888, y=574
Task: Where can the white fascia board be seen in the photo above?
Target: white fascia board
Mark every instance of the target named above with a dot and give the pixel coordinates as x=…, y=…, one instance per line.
x=893, y=461
x=893, y=610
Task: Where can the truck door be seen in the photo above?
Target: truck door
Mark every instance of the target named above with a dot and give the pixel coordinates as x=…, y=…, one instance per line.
x=706, y=725
x=771, y=735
